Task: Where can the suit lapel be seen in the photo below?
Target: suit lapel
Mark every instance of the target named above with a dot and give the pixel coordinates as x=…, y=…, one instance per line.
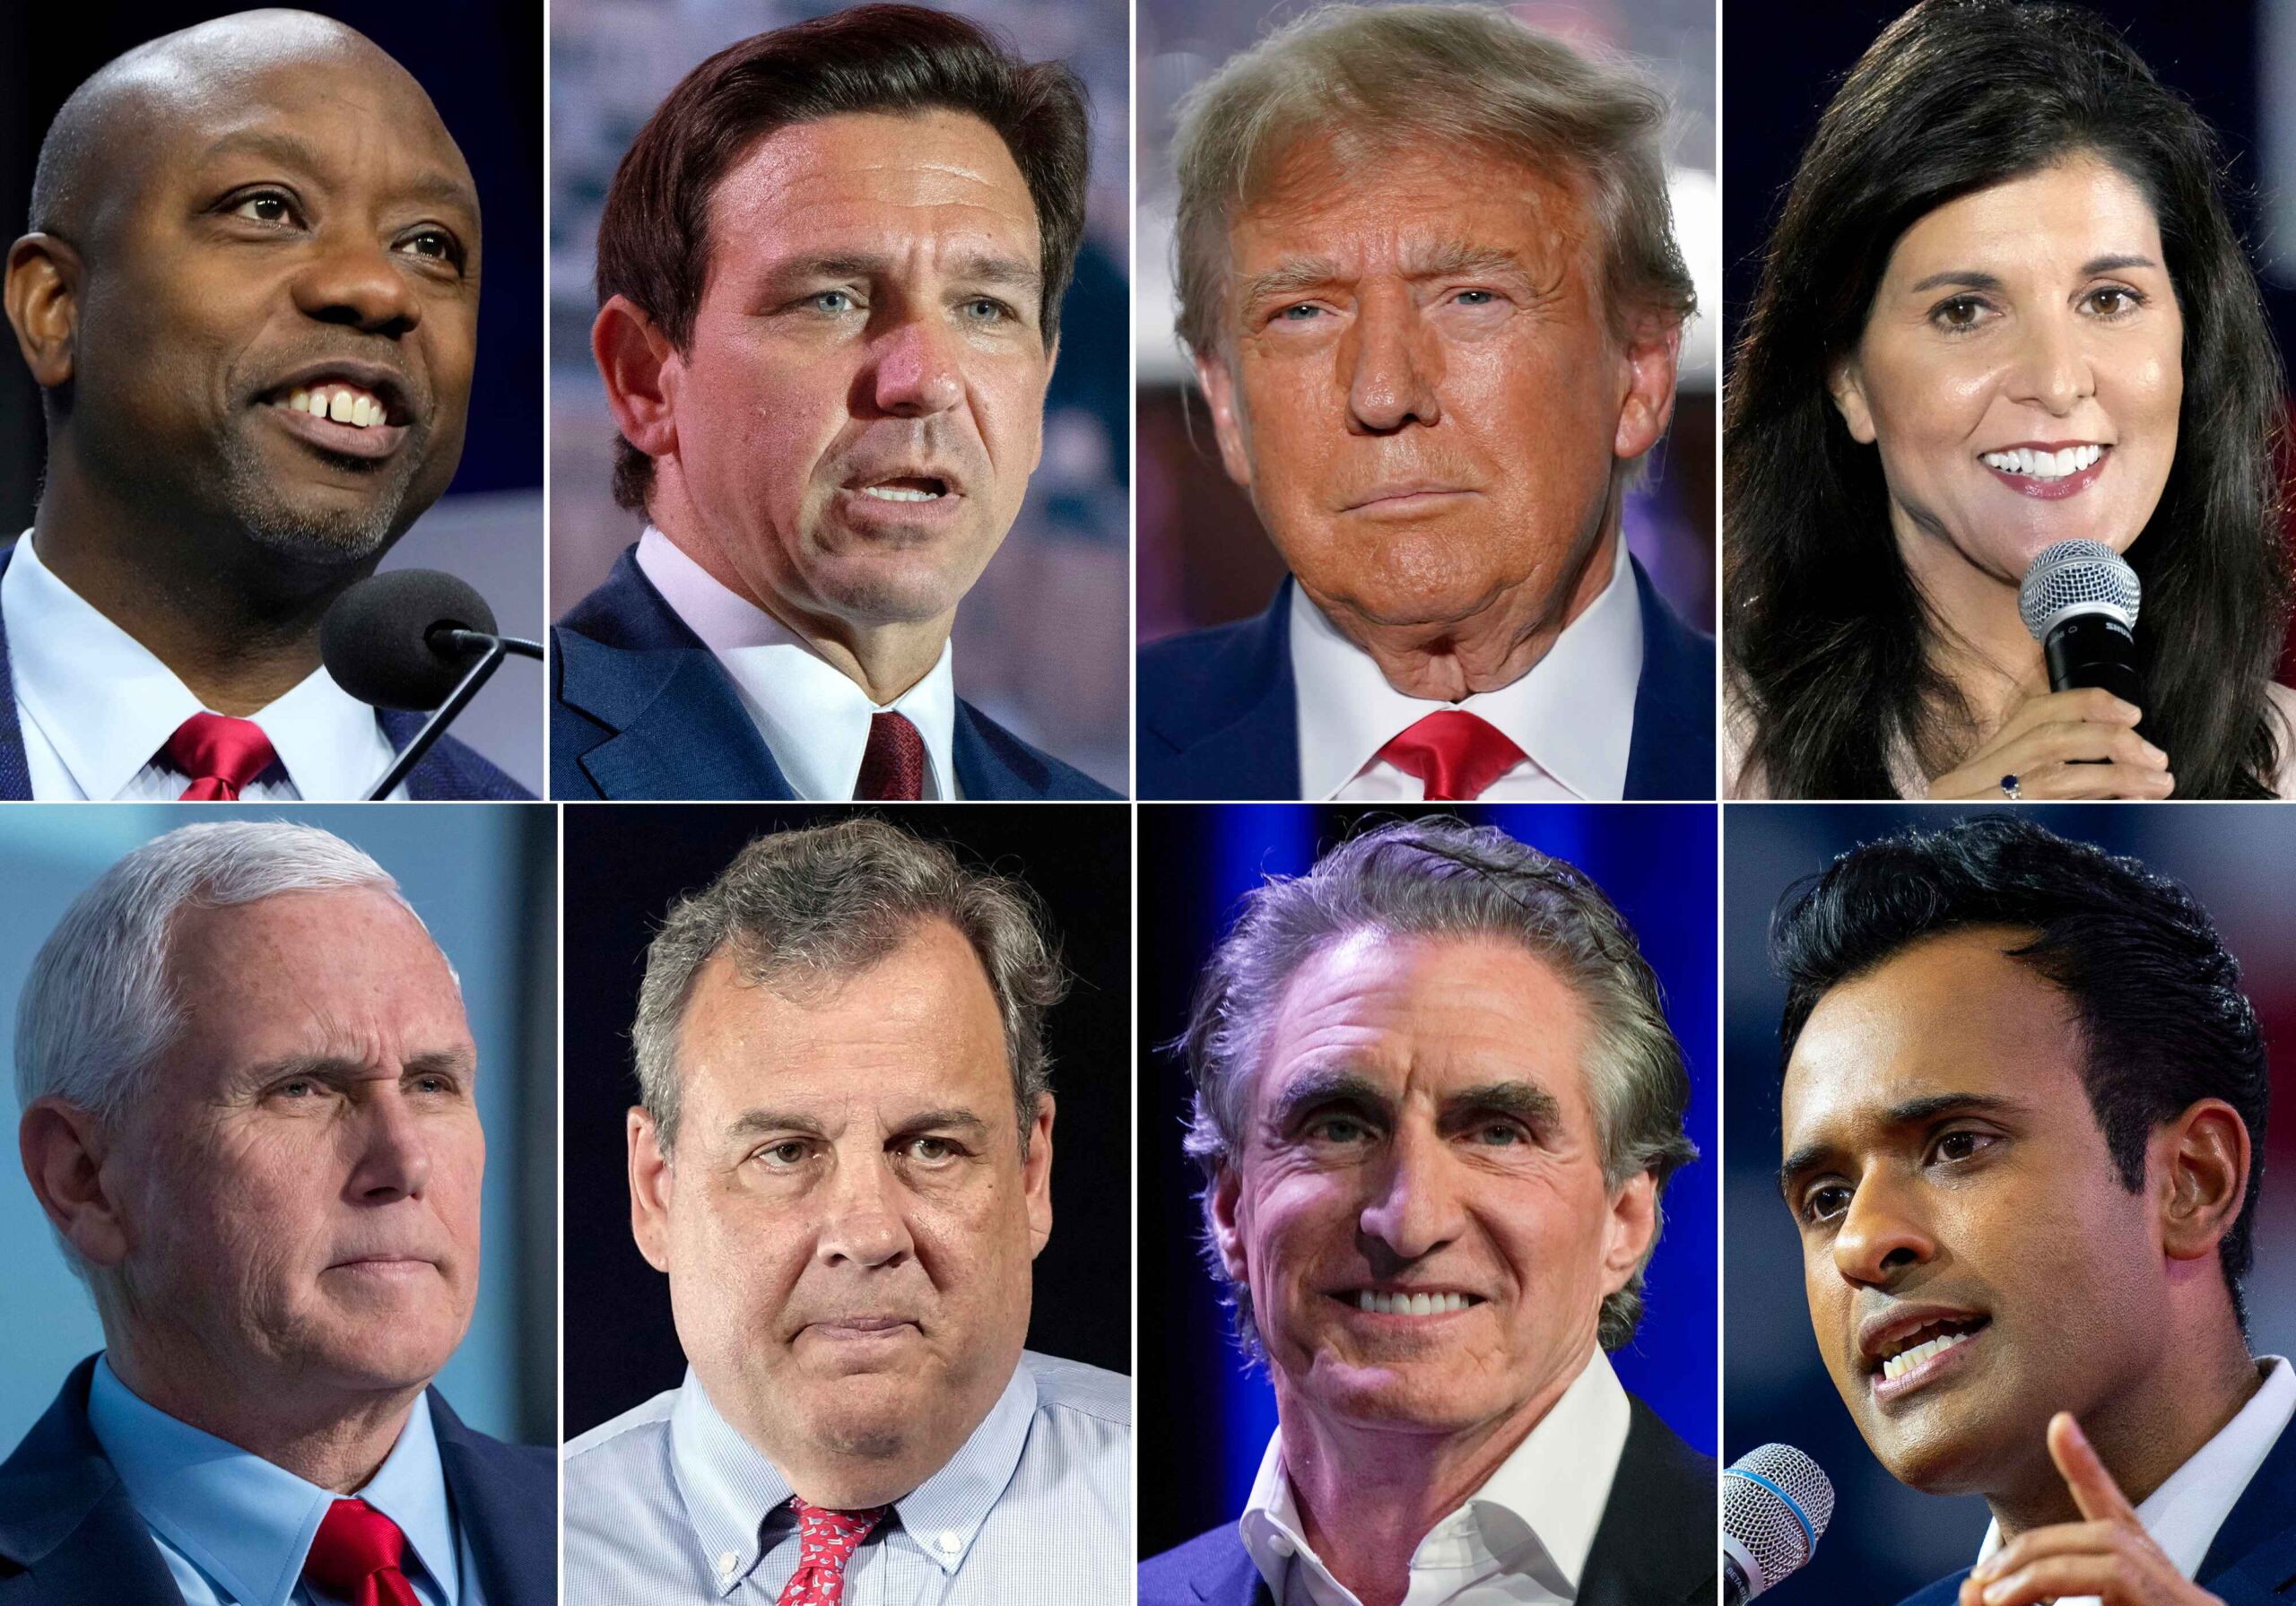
x=1671, y=752
x=2253, y=1558
x=514, y=1545
x=1657, y=1544
x=68, y=1535
x=15, y=769
x=1239, y=737
x=1233, y=1580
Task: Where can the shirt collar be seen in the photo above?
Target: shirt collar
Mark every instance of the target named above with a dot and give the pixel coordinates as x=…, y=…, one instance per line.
x=2184, y=1514
x=734, y=1495
x=1536, y=1514
x=1572, y=713
x=247, y=1524
x=813, y=716
x=108, y=705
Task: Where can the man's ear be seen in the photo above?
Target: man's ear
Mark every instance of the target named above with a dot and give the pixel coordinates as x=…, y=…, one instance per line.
x=639, y=365
x=1036, y=1176
x=1633, y=1226
x=1846, y=385
x=1229, y=422
x=1649, y=361
x=64, y=1150
x=1221, y=1204
x=651, y=1183
x=43, y=300
x=2198, y=1163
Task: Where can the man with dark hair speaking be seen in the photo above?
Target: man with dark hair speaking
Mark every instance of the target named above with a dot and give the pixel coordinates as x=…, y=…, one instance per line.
x=2023, y=1119
x=829, y=276
x=250, y=298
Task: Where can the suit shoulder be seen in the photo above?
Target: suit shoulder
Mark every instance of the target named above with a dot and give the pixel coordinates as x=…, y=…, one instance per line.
x=1944, y=1591
x=1072, y=1386
x=1046, y=775
x=1173, y=670
x=1169, y=1579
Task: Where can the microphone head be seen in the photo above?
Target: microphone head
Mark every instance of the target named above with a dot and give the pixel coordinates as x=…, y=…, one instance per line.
x=2077, y=576
x=1776, y=1504
x=376, y=637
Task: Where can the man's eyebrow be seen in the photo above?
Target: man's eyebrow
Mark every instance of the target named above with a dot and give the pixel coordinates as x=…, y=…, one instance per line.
x=1912, y=1112
x=1290, y=279
x=989, y=268
x=342, y=1067
x=1330, y=1085
x=749, y=1122
x=431, y=185
x=954, y=1119
x=1525, y=1101
x=1457, y=256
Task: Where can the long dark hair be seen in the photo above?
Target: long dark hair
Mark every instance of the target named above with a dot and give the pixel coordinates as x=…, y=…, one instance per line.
x=1829, y=641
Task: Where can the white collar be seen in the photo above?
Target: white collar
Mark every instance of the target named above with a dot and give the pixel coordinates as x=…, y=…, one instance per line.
x=108, y=705
x=1572, y=713
x=2184, y=1514
x=1536, y=1514
x=813, y=716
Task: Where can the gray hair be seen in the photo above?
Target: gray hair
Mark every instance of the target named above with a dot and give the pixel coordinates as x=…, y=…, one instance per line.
x=799, y=909
x=98, y=1009
x=1442, y=878
x=1468, y=75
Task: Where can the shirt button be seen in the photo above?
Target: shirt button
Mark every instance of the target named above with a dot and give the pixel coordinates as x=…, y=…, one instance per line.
x=951, y=1541
x=726, y=1563
x=1283, y=1547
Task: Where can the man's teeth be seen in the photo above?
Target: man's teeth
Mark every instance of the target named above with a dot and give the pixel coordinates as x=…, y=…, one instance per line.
x=1898, y=1365
x=1410, y=1305
x=2044, y=465
x=899, y=493
x=340, y=402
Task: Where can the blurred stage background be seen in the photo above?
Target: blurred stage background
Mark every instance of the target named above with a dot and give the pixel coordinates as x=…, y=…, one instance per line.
x=1202, y=1416
x=480, y=60
x=1041, y=641
x=1202, y=557
x=1886, y=1540
x=484, y=879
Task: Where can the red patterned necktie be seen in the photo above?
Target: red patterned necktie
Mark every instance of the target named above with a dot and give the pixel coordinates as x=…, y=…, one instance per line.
x=1455, y=753
x=826, y=1540
x=220, y=754
x=892, y=766
x=355, y=1556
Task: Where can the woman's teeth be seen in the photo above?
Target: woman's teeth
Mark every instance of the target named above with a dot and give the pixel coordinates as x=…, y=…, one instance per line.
x=340, y=402
x=2044, y=465
x=1898, y=1365
x=1410, y=1305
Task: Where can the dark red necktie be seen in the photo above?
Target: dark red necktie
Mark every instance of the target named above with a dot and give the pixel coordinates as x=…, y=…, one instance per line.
x=892, y=766
x=826, y=1540
x=220, y=754
x=1455, y=753
x=355, y=1556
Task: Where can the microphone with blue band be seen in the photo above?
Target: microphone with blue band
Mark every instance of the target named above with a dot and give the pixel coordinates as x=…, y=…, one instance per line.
x=1776, y=1504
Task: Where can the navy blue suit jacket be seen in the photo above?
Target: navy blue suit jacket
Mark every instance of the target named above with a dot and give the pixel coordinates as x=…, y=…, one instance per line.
x=448, y=771
x=2251, y=1562
x=639, y=708
x=1657, y=1544
x=1220, y=716
x=70, y=1537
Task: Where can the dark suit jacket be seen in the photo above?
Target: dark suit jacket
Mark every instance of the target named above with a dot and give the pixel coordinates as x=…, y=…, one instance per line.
x=448, y=771
x=2252, y=1561
x=69, y=1537
x=1656, y=1546
x=1220, y=716
x=639, y=708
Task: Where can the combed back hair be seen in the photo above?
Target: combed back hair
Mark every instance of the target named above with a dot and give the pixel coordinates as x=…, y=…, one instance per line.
x=1832, y=647
x=653, y=238
x=798, y=911
x=99, y=1010
x=1377, y=79
x=2158, y=998
x=1440, y=877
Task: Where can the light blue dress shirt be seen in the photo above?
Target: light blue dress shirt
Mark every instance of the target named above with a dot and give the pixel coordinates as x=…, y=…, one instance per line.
x=668, y=1504
x=234, y=1528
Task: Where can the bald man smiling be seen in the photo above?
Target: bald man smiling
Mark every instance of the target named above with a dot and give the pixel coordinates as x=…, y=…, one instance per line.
x=249, y=296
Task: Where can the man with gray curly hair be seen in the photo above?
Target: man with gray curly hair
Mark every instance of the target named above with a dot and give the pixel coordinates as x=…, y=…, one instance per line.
x=842, y=1157
x=1437, y=1103
x=1428, y=278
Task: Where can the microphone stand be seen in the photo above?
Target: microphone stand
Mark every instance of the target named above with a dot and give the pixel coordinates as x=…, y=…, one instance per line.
x=491, y=650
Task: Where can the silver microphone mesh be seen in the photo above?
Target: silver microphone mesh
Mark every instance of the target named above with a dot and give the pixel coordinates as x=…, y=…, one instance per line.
x=1756, y=1492
x=2076, y=576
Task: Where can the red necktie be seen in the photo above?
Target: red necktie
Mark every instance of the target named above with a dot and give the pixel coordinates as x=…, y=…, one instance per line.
x=355, y=1556
x=826, y=1540
x=221, y=755
x=892, y=766
x=1455, y=753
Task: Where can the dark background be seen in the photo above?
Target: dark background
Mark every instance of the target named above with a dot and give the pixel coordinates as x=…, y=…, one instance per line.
x=1203, y=1418
x=1887, y=1541
x=626, y=862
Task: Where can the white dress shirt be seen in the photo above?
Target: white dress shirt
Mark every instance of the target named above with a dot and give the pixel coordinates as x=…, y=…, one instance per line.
x=2184, y=1514
x=1572, y=714
x=1521, y=1540
x=814, y=716
x=96, y=707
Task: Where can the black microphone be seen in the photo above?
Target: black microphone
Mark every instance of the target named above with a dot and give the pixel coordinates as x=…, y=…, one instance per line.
x=417, y=640
x=1776, y=1504
x=2079, y=599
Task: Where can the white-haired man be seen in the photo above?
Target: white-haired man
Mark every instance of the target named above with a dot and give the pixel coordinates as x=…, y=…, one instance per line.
x=246, y=1083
